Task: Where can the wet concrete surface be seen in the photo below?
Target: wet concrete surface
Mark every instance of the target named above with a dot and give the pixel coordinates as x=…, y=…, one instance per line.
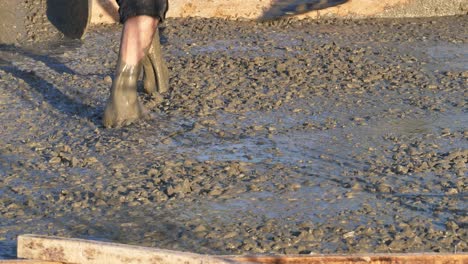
x=303, y=137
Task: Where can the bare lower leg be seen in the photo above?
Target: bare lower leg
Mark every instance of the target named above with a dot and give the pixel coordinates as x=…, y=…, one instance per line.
x=123, y=106
x=137, y=36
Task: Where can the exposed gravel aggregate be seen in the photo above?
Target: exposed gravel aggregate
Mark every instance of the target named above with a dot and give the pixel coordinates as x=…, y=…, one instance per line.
x=329, y=136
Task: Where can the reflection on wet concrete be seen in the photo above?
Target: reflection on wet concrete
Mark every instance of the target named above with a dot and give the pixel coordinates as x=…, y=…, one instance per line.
x=453, y=55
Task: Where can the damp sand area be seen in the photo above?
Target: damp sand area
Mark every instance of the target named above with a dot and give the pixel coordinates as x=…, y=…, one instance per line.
x=294, y=137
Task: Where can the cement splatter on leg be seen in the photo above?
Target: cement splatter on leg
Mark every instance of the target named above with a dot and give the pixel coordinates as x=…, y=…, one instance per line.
x=149, y=79
x=160, y=72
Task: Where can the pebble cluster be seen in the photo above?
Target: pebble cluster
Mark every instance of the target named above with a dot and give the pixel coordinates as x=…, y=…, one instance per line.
x=296, y=137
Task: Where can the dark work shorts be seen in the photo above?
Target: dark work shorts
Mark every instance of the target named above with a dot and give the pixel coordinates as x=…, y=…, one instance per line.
x=131, y=8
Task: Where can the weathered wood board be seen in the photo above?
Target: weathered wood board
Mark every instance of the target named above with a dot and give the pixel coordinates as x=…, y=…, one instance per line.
x=79, y=251
x=94, y=252
x=423, y=258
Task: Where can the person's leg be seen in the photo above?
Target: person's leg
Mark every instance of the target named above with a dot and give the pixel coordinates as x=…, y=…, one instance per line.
x=137, y=36
x=156, y=74
x=123, y=106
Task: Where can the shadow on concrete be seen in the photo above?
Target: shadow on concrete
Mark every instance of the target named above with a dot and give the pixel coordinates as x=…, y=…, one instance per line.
x=286, y=8
x=49, y=61
x=50, y=93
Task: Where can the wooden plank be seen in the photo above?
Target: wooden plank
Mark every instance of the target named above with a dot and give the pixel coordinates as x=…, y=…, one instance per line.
x=416, y=258
x=94, y=252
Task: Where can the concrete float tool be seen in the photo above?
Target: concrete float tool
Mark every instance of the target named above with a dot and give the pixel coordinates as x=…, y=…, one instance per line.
x=34, y=249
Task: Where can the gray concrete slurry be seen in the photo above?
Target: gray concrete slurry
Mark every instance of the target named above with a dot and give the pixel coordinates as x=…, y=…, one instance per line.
x=328, y=136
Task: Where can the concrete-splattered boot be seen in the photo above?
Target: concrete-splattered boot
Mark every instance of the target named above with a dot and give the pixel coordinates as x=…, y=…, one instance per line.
x=123, y=107
x=156, y=79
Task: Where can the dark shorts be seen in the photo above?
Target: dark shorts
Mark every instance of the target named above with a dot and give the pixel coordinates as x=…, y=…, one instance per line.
x=131, y=8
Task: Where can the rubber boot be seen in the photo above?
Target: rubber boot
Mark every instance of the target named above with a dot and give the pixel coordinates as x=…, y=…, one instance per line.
x=123, y=107
x=156, y=79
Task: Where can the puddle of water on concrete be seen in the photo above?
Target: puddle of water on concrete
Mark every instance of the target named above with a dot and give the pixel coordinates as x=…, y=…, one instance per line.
x=247, y=150
x=428, y=124
x=319, y=205
x=7, y=249
x=449, y=56
x=232, y=46
x=313, y=202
